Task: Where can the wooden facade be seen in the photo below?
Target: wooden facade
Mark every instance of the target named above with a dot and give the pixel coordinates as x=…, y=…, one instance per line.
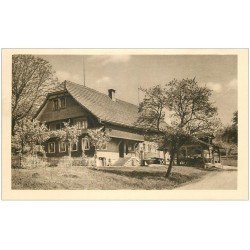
x=61, y=107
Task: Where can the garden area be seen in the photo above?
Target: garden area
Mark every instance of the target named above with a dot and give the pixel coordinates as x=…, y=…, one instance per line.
x=105, y=178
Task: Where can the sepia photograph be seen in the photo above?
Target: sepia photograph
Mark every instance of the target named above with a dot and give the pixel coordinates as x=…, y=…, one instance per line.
x=124, y=121
x=124, y=125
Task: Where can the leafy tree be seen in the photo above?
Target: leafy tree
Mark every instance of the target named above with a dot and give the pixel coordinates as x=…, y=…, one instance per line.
x=235, y=119
x=234, y=128
x=68, y=134
x=152, y=109
x=223, y=142
x=32, y=79
x=227, y=137
x=98, y=138
x=189, y=111
x=29, y=137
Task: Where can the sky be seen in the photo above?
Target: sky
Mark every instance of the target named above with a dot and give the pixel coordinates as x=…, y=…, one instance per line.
x=125, y=73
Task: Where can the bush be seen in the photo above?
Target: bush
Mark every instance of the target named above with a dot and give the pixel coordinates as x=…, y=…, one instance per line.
x=80, y=161
x=65, y=161
x=15, y=161
x=30, y=162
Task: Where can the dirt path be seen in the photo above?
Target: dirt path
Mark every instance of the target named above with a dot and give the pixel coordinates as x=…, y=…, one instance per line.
x=224, y=180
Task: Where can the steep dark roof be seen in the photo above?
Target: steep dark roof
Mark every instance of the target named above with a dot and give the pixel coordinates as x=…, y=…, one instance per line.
x=101, y=105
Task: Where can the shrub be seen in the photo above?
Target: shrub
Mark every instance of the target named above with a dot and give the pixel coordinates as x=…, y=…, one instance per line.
x=65, y=161
x=30, y=162
x=80, y=161
x=52, y=162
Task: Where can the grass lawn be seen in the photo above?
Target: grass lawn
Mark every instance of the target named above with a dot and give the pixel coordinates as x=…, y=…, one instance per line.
x=109, y=178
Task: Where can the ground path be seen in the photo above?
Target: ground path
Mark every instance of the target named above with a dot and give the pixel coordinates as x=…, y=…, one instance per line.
x=225, y=179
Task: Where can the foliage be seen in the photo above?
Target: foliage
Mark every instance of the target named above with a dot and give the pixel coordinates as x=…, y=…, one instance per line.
x=32, y=79
x=152, y=108
x=189, y=111
x=29, y=137
x=98, y=138
x=190, y=107
x=80, y=161
x=31, y=161
x=227, y=137
x=230, y=134
x=68, y=134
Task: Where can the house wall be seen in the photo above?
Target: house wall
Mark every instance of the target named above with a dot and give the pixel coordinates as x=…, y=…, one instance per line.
x=77, y=153
x=111, y=157
x=149, y=150
x=74, y=112
x=73, y=109
x=112, y=152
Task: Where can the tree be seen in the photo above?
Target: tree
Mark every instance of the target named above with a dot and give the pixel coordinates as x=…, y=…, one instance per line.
x=29, y=134
x=234, y=128
x=98, y=138
x=68, y=134
x=32, y=79
x=227, y=137
x=189, y=111
x=152, y=109
x=222, y=141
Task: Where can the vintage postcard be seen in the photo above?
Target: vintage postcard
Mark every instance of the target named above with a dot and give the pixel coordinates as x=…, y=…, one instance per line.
x=125, y=124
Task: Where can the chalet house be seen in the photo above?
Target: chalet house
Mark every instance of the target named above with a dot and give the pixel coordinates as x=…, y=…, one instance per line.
x=88, y=108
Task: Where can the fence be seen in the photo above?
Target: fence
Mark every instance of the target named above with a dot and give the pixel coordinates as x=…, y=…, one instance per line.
x=229, y=160
x=34, y=161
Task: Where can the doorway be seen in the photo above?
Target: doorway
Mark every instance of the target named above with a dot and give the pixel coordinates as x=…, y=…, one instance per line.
x=121, y=149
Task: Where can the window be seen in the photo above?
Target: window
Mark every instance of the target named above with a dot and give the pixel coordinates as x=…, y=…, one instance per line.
x=55, y=104
x=50, y=128
x=62, y=146
x=59, y=103
x=51, y=147
x=82, y=124
x=78, y=124
x=63, y=102
x=74, y=146
x=85, y=144
x=58, y=126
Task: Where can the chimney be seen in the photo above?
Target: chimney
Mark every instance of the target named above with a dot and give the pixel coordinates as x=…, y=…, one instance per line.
x=112, y=94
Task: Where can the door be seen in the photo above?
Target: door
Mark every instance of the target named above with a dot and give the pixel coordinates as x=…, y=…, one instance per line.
x=121, y=149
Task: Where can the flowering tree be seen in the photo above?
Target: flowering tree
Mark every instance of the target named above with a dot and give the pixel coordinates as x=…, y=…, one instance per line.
x=29, y=137
x=98, y=138
x=68, y=134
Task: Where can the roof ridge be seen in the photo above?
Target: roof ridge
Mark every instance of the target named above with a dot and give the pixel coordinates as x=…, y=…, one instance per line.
x=67, y=81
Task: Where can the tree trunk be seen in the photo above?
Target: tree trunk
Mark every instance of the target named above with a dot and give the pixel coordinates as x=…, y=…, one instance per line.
x=178, y=158
x=69, y=149
x=13, y=124
x=164, y=156
x=20, y=160
x=170, y=164
x=219, y=155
